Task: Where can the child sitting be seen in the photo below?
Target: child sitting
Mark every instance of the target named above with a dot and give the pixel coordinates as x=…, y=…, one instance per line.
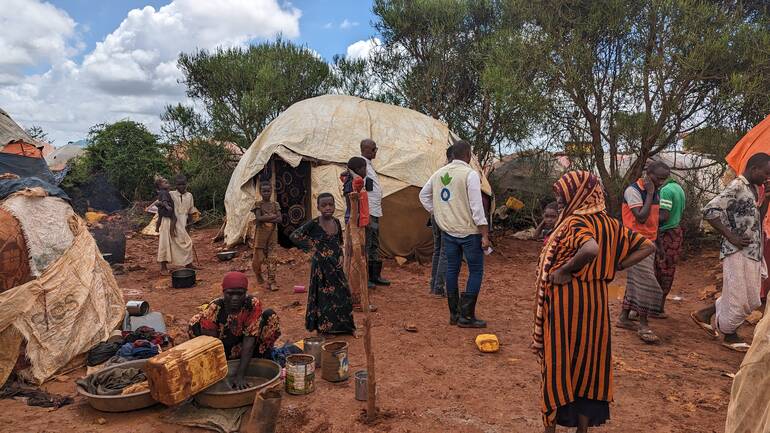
x=550, y=215
x=329, y=304
x=268, y=214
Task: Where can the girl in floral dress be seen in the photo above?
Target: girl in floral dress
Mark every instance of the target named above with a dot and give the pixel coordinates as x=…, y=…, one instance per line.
x=329, y=302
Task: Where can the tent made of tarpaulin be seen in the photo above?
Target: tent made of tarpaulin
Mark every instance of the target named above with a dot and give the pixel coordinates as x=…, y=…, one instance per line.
x=59, y=158
x=305, y=149
x=66, y=303
x=755, y=141
x=10, y=131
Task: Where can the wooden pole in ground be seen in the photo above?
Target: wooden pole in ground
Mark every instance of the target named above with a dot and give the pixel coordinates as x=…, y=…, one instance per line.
x=358, y=277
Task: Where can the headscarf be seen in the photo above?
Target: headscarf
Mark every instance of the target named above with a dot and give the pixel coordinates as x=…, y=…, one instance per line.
x=235, y=280
x=582, y=194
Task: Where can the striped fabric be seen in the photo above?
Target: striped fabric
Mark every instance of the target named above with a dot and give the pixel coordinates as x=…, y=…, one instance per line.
x=577, y=360
x=572, y=323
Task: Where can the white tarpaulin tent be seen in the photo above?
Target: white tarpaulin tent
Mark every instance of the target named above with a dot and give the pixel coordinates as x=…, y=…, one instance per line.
x=326, y=131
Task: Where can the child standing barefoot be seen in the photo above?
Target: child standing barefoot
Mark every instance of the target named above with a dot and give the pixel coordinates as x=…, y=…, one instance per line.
x=329, y=304
x=268, y=214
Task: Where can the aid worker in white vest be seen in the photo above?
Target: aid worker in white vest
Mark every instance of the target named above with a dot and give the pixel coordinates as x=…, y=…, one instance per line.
x=453, y=197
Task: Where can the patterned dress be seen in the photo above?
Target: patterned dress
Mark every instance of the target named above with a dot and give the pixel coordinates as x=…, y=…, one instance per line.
x=250, y=321
x=329, y=302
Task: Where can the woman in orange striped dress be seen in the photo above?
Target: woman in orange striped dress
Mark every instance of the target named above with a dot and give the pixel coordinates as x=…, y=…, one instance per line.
x=572, y=323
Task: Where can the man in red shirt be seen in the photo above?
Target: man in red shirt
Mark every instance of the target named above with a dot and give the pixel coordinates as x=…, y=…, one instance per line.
x=641, y=213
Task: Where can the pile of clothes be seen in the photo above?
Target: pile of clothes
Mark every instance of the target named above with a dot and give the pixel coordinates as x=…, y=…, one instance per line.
x=142, y=343
x=117, y=381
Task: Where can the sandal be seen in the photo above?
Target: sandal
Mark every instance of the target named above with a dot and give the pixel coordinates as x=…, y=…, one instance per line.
x=738, y=347
x=648, y=336
x=706, y=327
x=626, y=325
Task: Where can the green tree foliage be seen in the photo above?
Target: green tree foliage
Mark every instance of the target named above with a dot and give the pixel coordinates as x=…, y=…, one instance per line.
x=434, y=59
x=129, y=154
x=355, y=77
x=243, y=89
x=713, y=142
x=38, y=133
x=627, y=75
x=208, y=166
x=182, y=124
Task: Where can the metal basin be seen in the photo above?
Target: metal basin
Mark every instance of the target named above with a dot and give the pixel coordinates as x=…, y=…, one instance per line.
x=119, y=403
x=261, y=373
x=226, y=255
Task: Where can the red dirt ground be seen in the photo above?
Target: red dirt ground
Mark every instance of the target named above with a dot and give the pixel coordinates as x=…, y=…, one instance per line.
x=436, y=380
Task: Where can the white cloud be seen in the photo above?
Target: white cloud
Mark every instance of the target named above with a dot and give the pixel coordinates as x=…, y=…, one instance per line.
x=132, y=72
x=362, y=49
x=328, y=25
x=346, y=24
x=33, y=32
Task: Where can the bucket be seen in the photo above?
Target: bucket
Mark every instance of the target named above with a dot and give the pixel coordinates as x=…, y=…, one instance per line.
x=313, y=347
x=137, y=308
x=300, y=374
x=362, y=378
x=335, y=365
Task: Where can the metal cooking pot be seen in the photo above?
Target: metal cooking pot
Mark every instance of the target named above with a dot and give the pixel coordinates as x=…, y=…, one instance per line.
x=183, y=278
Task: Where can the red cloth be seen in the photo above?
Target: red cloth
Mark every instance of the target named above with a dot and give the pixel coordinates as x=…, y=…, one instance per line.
x=235, y=280
x=363, y=201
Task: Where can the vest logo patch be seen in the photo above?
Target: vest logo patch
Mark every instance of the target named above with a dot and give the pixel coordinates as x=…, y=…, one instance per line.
x=446, y=179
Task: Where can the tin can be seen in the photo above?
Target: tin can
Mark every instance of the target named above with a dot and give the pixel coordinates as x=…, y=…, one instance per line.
x=362, y=379
x=300, y=374
x=312, y=346
x=137, y=308
x=335, y=365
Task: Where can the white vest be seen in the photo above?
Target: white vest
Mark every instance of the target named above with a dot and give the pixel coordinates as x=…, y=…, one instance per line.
x=451, y=205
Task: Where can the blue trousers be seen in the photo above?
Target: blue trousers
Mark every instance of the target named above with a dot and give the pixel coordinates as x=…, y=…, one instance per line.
x=457, y=248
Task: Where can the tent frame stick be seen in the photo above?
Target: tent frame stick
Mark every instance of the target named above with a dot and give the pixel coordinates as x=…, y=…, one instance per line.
x=360, y=279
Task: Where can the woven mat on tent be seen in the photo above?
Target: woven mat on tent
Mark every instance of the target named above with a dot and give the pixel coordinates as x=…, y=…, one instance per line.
x=73, y=305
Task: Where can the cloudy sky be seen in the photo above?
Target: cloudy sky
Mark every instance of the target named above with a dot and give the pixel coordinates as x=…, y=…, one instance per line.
x=67, y=65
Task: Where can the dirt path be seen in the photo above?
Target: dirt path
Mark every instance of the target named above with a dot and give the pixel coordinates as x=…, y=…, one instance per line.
x=436, y=380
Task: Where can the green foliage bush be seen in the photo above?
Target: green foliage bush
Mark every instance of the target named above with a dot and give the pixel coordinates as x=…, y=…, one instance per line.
x=208, y=166
x=127, y=153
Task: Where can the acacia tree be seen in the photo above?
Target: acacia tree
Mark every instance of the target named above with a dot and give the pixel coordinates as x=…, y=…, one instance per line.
x=433, y=59
x=243, y=89
x=626, y=76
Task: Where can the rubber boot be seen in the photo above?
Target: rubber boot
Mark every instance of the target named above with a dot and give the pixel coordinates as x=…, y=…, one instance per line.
x=468, y=313
x=377, y=277
x=370, y=273
x=453, y=299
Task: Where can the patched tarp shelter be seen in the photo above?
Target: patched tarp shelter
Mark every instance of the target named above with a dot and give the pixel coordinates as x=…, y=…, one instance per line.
x=305, y=149
x=20, y=154
x=58, y=297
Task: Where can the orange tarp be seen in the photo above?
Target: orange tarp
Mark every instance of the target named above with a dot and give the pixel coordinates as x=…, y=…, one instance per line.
x=755, y=141
x=23, y=149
